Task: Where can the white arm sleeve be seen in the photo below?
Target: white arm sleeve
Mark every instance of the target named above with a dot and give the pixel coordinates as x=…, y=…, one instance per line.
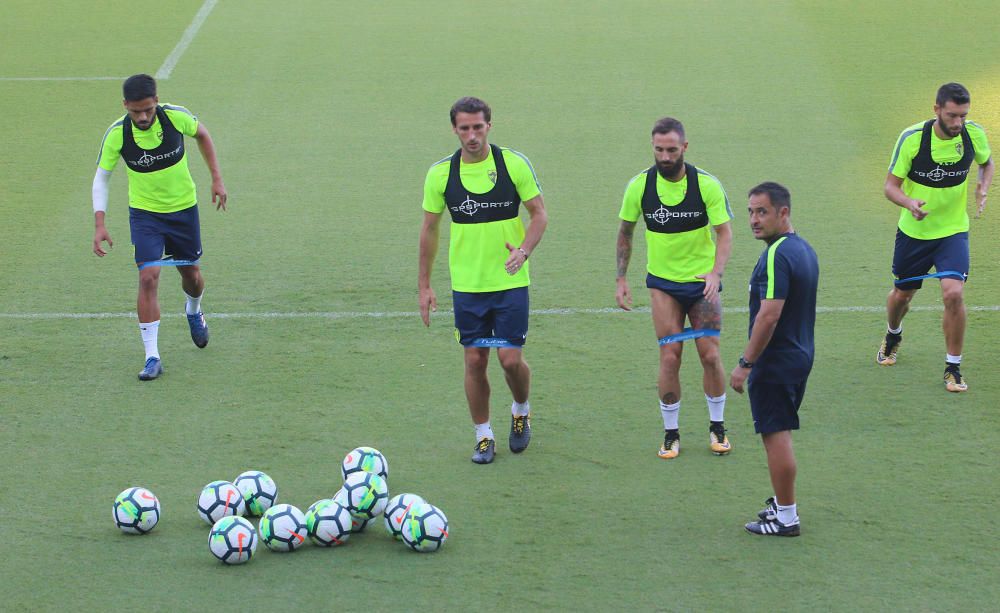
x=100, y=189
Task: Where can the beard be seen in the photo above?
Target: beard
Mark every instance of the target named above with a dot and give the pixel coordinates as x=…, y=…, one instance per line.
x=669, y=171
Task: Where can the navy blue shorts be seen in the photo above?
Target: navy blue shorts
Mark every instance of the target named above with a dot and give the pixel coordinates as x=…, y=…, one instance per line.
x=775, y=406
x=176, y=234
x=501, y=314
x=914, y=257
x=687, y=294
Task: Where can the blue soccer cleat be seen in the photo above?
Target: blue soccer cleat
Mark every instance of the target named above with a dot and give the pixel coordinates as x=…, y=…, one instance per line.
x=520, y=433
x=152, y=370
x=485, y=451
x=199, y=329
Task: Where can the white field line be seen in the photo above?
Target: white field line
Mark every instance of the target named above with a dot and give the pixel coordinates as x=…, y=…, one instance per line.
x=186, y=38
x=441, y=313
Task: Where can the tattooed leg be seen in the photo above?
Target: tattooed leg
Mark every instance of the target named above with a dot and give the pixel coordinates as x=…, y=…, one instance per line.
x=708, y=315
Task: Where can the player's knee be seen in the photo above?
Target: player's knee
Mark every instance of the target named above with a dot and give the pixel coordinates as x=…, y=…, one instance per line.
x=148, y=280
x=952, y=296
x=670, y=360
x=710, y=358
x=511, y=360
x=476, y=361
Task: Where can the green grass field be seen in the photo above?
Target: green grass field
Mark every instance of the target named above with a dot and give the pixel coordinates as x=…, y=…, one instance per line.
x=326, y=116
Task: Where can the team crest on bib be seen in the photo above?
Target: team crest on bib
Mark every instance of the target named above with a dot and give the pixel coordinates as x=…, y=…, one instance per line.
x=959, y=148
x=493, y=176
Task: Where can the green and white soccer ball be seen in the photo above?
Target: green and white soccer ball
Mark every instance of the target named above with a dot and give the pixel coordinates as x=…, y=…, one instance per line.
x=283, y=528
x=328, y=523
x=219, y=499
x=233, y=540
x=136, y=511
x=425, y=528
x=396, y=511
x=259, y=491
x=358, y=523
x=366, y=494
x=365, y=459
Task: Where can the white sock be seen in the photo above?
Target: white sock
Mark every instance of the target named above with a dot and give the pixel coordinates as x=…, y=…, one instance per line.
x=787, y=514
x=671, y=413
x=149, y=332
x=484, y=431
x=193, y=305
x=898, y=330
x=716, y=407
x=953, y=359
x=520, y=409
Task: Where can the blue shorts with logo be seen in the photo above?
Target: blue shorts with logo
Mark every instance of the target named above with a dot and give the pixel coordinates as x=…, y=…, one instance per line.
x=775, y=406
x=687, y=294
x=502, y=314
x=914, y=257
x=155, y=235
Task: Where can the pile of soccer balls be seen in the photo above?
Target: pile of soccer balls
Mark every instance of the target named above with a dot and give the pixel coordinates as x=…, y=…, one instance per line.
x=328, y=522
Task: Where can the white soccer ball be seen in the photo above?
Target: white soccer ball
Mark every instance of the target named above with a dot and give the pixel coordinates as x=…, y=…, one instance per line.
x=396, y=511
x=425, y=528
x=233, y=540
x=136, y=511
x=219, y=499
x=328, y=523
x=259, y=491
x=283, y=528
x=366, y=494
x=365, y=459
x=358, y=523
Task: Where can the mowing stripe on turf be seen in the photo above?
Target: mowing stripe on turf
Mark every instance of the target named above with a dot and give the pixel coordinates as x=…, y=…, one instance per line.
x=441, y=313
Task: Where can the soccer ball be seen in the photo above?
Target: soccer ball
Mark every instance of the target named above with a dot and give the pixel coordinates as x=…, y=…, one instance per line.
x=136, y=511
x=425, y=528
x=233, y=540
x=328, y=523
x=365, y=459
x=219, y=499
x=366, y=493
x=358, y=523
x=396, y=510
x=283, y=528
x=259, y=491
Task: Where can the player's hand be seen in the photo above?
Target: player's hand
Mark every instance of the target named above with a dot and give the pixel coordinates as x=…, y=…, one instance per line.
x=713, y=281
x=916, y=209
x=623, y=295
x=737, y=378
x=101, y=235
x=515, y=260
x=219, y=195
x=428, y=303
x=980, y=199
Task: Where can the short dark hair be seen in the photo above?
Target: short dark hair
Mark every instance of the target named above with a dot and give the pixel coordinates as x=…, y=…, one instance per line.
x=777, y=193
x=139, y=87
x=667, y=125
x=471, y=104
x=954, y=92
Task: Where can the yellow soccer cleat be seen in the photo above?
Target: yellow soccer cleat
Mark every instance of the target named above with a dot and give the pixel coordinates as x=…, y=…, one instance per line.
x=671, y=445
x=718, y=441
x=890, y=346
x=953, y=380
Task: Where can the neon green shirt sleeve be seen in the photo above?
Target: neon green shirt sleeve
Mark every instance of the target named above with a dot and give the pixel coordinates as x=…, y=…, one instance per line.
x=632, y=201
x=716, y=201
x=434, y=186
x=522, y=174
